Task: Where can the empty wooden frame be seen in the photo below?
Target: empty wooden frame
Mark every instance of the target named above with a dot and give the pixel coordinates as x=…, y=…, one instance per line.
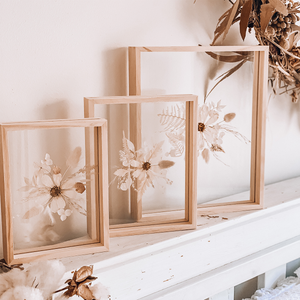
x=54, y=189
x=258, y=55
x=149, y=192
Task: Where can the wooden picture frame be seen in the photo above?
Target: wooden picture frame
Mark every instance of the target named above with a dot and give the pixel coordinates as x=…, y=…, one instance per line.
x=92, y=189
x=259, y=107
x=171, y=220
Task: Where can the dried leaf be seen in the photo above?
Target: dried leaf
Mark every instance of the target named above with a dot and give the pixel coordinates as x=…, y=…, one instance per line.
x=245, y=14
x=226, y=58
x=229, y=117
x=226, y=75
x=74, y=158
x=164, y=164
x=231, y=16
x=266, y=13
x=279, y=6
x=34, y=211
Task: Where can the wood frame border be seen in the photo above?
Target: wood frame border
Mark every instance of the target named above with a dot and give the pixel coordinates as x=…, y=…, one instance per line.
x=149, y=224
x=260, y=81
x=101, y=241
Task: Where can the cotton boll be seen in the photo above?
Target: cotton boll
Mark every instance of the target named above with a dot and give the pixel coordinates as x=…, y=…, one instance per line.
x=45, y=274
x=12, y=279
x=22, y=292
x=99, y=291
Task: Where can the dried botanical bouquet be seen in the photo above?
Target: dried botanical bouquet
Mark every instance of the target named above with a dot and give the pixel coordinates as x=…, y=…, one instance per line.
x=274, y=24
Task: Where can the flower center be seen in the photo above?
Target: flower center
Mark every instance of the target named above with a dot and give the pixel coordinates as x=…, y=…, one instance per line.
x=146, y=166
x=201, y=127
x=55, y=191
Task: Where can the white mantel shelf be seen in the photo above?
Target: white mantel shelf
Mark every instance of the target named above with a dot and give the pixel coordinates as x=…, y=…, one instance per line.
x=221, y=253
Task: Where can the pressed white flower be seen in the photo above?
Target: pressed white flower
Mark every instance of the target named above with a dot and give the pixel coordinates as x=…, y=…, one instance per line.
x=141, y=167
x=212, y=127
x=207, y=132
x=49, y=188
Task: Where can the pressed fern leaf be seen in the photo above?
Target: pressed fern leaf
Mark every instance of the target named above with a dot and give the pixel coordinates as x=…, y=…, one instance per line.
x=177, y=142
x=173, y=118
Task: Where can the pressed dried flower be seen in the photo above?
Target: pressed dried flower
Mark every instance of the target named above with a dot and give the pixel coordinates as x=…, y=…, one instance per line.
x=211, y=130
x=49, y=188
x=141, y=167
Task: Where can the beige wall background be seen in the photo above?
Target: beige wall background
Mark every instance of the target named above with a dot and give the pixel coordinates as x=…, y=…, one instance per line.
x=55, y=52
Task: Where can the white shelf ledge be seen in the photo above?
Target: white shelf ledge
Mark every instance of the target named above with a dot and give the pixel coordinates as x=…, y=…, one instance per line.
x=221, y=253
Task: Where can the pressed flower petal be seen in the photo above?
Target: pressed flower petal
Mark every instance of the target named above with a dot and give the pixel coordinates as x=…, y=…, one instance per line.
x=63, y=217
x=57, y=203
x=61, y=211
x=47, y=181
x=201, y=142
x=68, y=212
x=205, y=155
x=69, y=183
x=126, y=184
x=213, y=118
x=70, y=193
x=137, y=173
x=57, y=179
x=135, y=164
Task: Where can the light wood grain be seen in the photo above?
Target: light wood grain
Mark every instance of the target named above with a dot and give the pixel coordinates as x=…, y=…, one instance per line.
x=258, y=110
x=168, y=221
x=98, y=219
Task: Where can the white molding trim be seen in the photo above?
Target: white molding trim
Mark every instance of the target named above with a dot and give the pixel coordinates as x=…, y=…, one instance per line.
x=221, y=253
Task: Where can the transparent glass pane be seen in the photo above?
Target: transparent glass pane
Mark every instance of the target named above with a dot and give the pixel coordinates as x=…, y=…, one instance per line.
x=224, y=114
x=145, y=171
x=51, y=188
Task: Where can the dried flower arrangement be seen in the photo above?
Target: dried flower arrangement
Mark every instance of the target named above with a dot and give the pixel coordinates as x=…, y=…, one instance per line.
x=143, y=165
x=54, y=192
x=274, y=24
x=212, y=127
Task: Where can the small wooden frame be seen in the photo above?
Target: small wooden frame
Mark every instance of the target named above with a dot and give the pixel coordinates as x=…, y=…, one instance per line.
x=259, y=106
x=164, y=220
x=94, y=190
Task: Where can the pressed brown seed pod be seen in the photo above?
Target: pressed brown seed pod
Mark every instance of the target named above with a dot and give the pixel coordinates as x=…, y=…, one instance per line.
x=229, y=117
x=79, y=187
x=164, y=164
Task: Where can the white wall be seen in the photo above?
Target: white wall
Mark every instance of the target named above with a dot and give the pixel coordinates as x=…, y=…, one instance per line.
x=55, y=52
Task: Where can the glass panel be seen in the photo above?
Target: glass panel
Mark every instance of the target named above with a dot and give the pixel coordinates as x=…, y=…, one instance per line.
x=224, y=114
x=49, y=188
x=145, y=170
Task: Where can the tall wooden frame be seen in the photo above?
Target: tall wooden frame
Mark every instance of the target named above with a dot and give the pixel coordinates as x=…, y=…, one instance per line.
x=258, y=115
x=168, y=221
x=97, y=225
